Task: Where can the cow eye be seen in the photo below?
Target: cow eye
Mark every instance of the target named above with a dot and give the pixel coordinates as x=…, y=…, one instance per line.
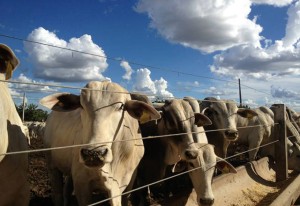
x=121, y=107
x=191, y=164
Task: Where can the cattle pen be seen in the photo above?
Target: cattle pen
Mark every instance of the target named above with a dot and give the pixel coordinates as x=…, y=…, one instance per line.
x=266, y=181
x=256, y=183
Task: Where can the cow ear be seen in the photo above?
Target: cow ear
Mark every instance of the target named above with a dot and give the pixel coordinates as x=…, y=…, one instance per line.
x=141, y=111
x=201, y=120
x=247, y=113
x=61, y=102
x=225, y=166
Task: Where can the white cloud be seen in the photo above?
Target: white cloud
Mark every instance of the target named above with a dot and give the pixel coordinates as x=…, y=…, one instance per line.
x=250, y=102
x=63, y=65
x=229, y=91
x=279, y=92
x=277, y=62
x=30, y=86
x=161, y=86
x=144, y=82
x=204, y=25
x=128, y=70
x=273, y=2
x=146, y=85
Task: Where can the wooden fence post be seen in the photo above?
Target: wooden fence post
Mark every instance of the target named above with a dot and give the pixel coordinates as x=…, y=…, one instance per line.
x=280, y=146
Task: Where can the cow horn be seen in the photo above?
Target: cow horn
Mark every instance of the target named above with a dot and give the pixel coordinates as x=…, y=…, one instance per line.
x=203, y=111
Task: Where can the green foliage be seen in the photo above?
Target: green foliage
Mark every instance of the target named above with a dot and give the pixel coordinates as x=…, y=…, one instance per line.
x=32, y=113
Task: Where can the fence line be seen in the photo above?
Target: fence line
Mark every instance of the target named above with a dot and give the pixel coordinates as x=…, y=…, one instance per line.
x=83, y=88
x=179, y=174
x=109, y=142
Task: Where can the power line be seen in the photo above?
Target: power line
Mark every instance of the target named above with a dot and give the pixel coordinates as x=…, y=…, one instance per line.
x=131, y=62
x=115, y=59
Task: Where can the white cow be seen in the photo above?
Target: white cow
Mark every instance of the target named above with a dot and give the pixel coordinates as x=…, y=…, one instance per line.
x=14, y=188
x=35, y=129
x=224, y=115
x=184, y=150
x=103, y=118
x=259, y=131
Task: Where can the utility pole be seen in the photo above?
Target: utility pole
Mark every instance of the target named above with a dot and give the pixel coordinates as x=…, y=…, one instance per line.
x=240, y=93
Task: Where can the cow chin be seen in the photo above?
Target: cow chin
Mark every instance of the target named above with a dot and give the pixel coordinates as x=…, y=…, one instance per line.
x=95, y=157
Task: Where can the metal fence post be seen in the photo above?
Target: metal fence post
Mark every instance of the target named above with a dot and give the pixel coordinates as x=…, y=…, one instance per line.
x=281, y=145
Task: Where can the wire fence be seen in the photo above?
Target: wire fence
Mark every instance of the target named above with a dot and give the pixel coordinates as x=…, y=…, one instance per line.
x=145, y=138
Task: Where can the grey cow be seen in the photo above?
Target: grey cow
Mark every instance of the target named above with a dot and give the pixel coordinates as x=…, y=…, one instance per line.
x=181, y=150
x=224, y=115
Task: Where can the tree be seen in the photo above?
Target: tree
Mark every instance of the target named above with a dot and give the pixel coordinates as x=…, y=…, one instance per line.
x=32, y=113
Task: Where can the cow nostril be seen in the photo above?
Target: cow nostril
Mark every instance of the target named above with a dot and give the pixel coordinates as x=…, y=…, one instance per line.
x=84, y=152
x=206, y=201
x=191, y=154
x=103, y=152
x=231, y=133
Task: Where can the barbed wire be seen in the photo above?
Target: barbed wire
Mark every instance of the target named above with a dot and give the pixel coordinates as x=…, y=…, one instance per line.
x=110, y=142
x=130, y=62
x=152, y=96
x=114, y=59
x=181, y=173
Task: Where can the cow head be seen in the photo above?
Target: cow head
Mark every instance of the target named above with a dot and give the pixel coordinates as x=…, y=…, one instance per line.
x=224, y=114
x=106, y=112
x=293, y=156
x=179, y=118
x=202, y=170
x=8, y=61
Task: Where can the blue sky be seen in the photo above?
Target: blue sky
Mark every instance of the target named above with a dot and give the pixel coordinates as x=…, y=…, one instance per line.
x=166, y=48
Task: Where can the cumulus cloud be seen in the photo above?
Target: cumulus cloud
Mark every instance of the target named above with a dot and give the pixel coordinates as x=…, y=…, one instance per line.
x=161, y=86
x=213, y=91
x=273, y=2
x=146, y=85
x=29, y=86
x=279, y=92
x=64, y=65
x=280, y=58
x=128, y=70
x=207, y=26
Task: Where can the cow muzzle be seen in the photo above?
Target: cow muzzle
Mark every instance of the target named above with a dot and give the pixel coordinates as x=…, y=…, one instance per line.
x=206, y=201
x=95, y=157
x=191, y=154
x=231, y=134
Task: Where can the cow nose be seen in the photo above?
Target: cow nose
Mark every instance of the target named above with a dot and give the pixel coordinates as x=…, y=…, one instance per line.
x=191, y=154
x=207, y=201
x=94, y=157
x=231, y=134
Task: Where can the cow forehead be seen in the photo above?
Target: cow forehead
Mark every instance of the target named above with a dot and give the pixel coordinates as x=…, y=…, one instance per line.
x=96, y=95
x=179, y=107
x=225, y=107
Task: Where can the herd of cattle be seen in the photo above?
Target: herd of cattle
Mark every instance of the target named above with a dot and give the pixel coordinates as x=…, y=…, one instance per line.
x=112, y=141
